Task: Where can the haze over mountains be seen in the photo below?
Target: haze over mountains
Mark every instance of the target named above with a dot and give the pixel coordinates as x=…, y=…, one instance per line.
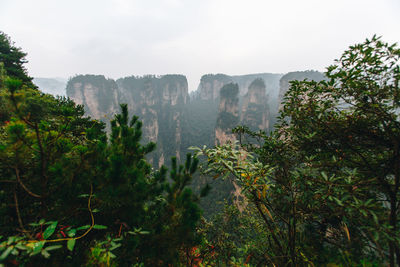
x=54, y=86
x=176, y=119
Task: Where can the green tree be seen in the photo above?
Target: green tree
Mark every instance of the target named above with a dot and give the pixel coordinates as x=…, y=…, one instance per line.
x=13, y=59
x=326, y=182
x=351, y=122
x=57, y=165
x=51, y=154
x=132, y=195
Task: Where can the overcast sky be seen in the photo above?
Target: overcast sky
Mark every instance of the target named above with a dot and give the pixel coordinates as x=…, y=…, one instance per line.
x=119, y=38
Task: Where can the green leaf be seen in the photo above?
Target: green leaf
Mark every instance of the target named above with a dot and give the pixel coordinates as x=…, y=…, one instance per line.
x=83, y=227
x=5, y=254
x=71, y=244
x=111, y=255
x=375, y=217
x=71, y=233
x=115, y=246
x=50, y=230
x=37, y=247
x=49, y=248
x=338, y=201
x=99, y=227
x=21, y=246
x=45, y=254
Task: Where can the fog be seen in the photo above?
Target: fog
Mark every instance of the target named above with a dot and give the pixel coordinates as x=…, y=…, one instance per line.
x=125, y=37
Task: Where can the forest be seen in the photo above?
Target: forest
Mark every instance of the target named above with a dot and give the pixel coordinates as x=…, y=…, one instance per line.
x=322, y=188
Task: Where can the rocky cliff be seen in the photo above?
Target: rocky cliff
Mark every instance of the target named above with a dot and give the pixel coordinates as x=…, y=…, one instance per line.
x=203, y=109
x=255, y=112
x=211, y=84
x=172, y=119
x=309, y=75
x=228, y=114
x=158, y=101
x=176, y=121
x=98, y=95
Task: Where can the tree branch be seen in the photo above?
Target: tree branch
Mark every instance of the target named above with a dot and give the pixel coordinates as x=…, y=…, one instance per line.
x=22, y=184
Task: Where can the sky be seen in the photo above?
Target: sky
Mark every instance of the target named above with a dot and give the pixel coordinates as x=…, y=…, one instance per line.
x=119, y=38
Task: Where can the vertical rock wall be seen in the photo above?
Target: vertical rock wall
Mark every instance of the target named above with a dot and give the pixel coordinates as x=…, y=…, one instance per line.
x=158, y=101
x=228, y=114
x=174, y=121
x=255, y=113
x=98, y=95
x=284, y=82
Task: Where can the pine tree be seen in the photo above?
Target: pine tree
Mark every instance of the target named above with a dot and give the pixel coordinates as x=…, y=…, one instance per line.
x=13, y=59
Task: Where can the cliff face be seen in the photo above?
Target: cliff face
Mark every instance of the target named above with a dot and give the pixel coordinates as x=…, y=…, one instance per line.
x=255, y=113
x=158, y=101
x=98, y=95
x=284, y=82
x=228, y=114
x=211, y=84
x=174, y=121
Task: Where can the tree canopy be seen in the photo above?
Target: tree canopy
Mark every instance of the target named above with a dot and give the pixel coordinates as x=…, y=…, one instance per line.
x=71, y=193
x=326, y=181
x=13, y=59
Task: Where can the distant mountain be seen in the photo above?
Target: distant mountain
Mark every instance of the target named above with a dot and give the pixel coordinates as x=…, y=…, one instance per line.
x=176, y=120
x=54, y=86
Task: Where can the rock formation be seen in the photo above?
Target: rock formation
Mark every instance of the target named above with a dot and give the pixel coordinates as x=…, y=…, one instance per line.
x=228, y=114
x=284, y=82
x=158, y=101
x=255, y=113
x=98, y=95
x=211, y=84
x=172, y=119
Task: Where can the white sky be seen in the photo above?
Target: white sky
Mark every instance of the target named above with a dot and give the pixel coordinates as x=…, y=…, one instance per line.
x=119, y=38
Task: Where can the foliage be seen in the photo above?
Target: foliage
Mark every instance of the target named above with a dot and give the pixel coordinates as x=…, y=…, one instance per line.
x=227, y=121
x=232, y=236
x=351, y=122
x=49, y=236
x=325, y=183
x=51, y=157
x=230, y=90
x=13, y=59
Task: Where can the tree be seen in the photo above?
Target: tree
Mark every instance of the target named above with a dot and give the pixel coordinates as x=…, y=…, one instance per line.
x=45, y=161
x=62, y=177
x=326, y=182
x=51, y=155
x=132, y=195
x=13, y=59
x=352, y=122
